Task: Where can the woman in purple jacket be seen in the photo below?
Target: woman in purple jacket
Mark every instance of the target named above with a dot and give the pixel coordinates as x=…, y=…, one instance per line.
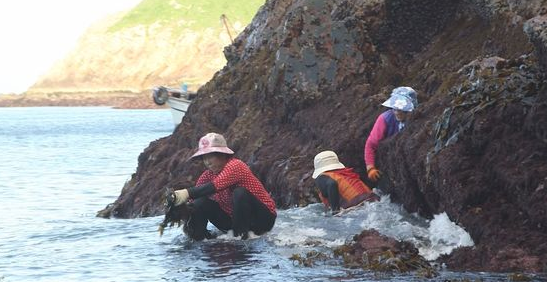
x=403, y=100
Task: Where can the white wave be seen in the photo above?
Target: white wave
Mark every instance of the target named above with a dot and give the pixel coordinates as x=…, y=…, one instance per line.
x=445, y=236
x=310, y=226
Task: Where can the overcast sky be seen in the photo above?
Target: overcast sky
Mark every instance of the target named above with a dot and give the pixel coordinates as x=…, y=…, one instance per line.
x=36, y=33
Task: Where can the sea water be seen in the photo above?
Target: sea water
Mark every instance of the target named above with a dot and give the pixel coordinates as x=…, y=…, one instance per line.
x=59, y=166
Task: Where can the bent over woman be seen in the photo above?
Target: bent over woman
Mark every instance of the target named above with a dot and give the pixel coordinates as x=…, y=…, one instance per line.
x=339, y=186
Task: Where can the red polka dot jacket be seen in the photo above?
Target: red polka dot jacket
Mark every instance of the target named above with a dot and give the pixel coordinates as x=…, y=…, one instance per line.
x=235, y=174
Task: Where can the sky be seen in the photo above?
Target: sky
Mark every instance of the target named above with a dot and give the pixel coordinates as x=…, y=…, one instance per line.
x=34, y=34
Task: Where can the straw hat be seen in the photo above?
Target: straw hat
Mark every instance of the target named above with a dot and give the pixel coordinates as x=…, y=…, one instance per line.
x=325, y=161
x=211, y=143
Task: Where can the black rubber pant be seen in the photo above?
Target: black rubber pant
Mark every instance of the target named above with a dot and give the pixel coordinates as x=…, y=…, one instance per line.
x=329, y=189
x=249, y=214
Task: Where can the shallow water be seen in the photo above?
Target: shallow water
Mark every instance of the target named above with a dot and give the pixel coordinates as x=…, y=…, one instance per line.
x=59, y=166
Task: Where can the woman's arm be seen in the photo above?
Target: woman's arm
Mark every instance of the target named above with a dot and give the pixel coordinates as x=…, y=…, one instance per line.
x=376, y=135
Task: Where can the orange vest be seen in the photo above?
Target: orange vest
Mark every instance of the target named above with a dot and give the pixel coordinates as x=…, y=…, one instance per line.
x=352, y=190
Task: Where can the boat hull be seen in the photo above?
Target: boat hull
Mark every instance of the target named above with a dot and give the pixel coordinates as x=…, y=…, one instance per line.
x=178, y=106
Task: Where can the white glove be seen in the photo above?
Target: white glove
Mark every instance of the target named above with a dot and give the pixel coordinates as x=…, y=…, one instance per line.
x=181, y=197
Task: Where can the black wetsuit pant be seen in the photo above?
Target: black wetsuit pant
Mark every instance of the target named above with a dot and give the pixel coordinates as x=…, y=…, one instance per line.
x=249, y=214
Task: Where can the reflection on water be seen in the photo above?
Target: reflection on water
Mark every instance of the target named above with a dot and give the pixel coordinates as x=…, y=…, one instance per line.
x=222, y=254
x=225, y=258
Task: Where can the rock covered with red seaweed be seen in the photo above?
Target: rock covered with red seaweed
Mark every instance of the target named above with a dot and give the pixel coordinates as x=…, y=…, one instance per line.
x=307, y=76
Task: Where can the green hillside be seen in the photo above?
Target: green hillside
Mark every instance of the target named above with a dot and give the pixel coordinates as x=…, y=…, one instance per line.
x=193, y=14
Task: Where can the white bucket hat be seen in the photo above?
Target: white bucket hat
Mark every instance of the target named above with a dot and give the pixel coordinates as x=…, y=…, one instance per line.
x=325, y=161
x=211, y=143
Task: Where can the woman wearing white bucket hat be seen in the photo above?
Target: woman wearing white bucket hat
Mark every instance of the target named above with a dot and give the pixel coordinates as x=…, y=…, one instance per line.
x=227, y=194
x=402, y=101
x=339, y=187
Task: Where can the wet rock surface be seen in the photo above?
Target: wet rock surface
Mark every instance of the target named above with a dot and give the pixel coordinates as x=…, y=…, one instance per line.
x=536, y=29
x=306, y=76
x=372, y=251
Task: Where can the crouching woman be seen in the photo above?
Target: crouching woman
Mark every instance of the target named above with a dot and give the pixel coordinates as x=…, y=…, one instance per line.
x=227, y=194
x=339, y=187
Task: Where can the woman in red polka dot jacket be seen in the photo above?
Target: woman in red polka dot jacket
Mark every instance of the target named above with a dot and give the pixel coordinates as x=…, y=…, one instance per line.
x=227, y=194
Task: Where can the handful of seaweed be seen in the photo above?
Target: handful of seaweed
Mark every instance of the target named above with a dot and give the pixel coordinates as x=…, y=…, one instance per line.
x=179, y=215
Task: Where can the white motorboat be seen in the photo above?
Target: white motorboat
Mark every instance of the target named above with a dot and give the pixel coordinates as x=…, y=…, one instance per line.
x=178, y=100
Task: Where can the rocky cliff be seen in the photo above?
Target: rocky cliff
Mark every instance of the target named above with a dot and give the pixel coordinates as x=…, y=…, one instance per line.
x=310, y=75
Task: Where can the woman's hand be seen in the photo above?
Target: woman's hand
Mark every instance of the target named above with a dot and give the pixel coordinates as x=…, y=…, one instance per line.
x=373, y=173
x=181, y=196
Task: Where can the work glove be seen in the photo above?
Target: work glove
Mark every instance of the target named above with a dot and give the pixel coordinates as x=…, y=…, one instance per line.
x=178, y=197
x=374, y=174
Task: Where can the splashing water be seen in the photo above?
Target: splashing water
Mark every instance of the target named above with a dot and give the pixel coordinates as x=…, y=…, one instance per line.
x=310, y=227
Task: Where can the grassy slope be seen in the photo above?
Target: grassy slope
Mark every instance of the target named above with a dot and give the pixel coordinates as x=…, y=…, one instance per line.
x=192, y=14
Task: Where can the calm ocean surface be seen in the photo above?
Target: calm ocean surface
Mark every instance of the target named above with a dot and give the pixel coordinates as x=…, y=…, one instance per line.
x=59, y=166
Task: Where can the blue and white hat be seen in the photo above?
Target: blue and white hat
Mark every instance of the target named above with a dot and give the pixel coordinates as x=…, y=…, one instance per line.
x=407, y=92
x=403, y=99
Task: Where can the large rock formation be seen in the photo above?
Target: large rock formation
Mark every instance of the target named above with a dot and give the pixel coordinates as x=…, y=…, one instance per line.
x=309, y=75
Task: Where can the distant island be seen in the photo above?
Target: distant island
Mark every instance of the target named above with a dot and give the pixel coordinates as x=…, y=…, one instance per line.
x=125, y=55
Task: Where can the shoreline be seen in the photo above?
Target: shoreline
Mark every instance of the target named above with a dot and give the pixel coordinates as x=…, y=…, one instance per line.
x=115, y=99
